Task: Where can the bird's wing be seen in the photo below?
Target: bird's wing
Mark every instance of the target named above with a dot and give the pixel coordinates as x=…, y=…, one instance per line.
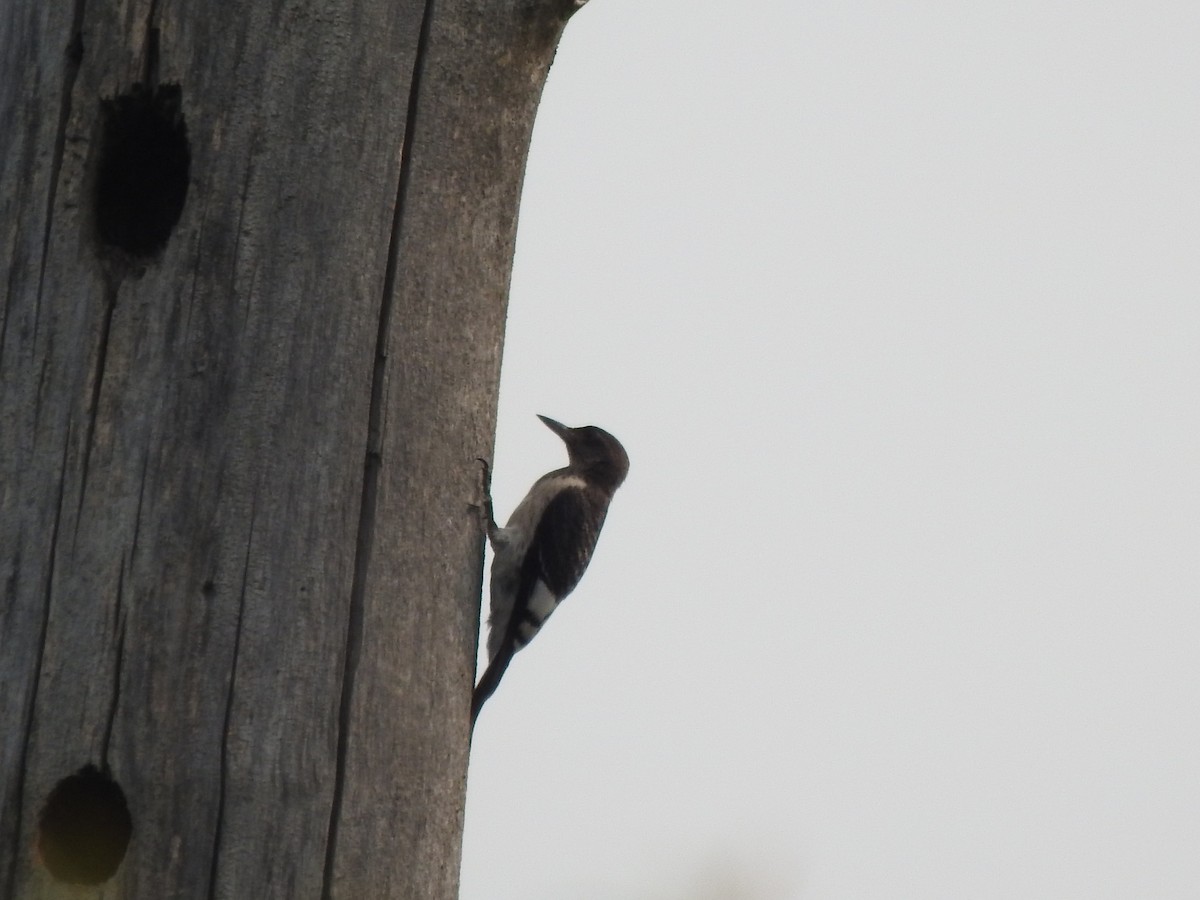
x=566, y=536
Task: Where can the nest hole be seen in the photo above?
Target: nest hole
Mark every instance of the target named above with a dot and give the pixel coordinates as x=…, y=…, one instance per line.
x=84, y=828
x=142, y=175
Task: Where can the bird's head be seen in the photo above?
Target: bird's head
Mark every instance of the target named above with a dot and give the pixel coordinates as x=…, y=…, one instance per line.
x=597, y=454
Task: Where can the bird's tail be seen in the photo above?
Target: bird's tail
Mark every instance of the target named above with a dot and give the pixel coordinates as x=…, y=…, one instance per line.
x=491, y=678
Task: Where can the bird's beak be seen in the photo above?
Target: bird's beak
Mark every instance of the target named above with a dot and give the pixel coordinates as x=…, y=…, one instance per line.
x=557, y=427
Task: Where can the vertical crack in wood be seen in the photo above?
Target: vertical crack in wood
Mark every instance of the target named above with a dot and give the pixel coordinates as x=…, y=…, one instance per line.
x=373, y=458
x=73, y=58
x=150, y=47
x=223, y=777
x=31, y=709
x=110, y=304
x=194, y=272
x=137, y=516
x=119, y=621
x=43, y=371
x=235, y=266
x=9, y=297
x=118, y=665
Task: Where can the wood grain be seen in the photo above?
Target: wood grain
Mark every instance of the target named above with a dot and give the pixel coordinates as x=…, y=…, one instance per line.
x=238, y=565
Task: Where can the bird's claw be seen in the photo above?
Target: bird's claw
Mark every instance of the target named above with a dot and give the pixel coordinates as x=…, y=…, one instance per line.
x=486, y=516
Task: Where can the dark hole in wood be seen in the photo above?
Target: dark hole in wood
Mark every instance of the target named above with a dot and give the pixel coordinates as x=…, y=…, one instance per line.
x=84, y=828
x=142, y=177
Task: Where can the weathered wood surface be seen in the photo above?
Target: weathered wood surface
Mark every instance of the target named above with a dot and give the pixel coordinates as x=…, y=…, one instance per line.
x=238, y=565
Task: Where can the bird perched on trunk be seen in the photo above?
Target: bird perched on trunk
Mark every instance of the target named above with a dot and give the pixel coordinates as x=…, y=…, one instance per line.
x=542, y=552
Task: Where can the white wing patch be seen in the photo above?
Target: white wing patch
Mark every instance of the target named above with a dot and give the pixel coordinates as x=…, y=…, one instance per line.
x=541, y=603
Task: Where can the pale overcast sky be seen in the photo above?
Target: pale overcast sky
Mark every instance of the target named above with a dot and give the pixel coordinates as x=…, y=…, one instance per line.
x=896, y=309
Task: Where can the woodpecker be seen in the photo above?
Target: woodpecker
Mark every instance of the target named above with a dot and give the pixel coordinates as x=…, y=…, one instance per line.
x=542, y=552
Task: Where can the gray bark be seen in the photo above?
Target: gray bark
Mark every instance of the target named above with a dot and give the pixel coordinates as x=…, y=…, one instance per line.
x=239, y=569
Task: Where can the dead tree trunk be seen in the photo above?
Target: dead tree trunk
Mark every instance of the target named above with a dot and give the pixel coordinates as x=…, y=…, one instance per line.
x=254, y=258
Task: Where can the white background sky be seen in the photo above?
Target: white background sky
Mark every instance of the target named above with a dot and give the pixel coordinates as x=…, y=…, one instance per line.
x=896, y=309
